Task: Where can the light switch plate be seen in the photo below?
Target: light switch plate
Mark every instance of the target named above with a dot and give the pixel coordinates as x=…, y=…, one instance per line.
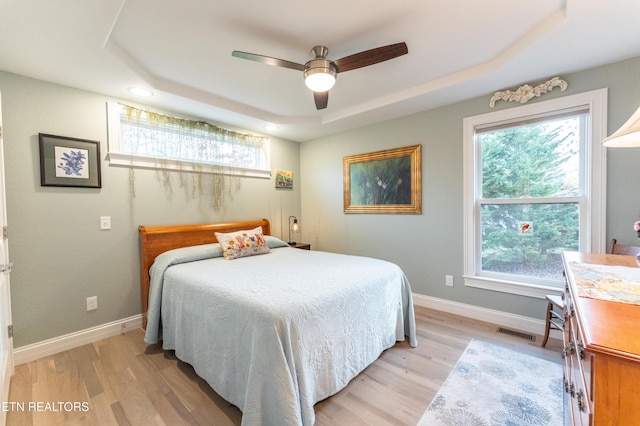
x=92, y=303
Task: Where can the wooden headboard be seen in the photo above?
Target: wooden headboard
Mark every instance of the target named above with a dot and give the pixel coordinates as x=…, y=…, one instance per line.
x=155, y=240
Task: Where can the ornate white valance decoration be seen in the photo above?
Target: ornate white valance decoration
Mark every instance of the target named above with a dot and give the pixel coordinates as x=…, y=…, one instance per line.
x=526, y=92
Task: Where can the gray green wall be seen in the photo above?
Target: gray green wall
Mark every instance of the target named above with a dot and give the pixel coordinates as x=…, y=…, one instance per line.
x=430, y=245
x=60, y=255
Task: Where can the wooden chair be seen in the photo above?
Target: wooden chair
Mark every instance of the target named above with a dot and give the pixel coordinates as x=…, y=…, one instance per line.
x=555, y=315
x=625, y=249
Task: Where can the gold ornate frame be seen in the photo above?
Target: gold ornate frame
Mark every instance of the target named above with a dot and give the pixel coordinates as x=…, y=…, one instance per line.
x=365, y=191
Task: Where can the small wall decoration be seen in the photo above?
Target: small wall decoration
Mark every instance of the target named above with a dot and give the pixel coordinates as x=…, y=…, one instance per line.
x=387, y=181
x=525, y=92
x=525, y=228
x=284, y=179
x=68, y=161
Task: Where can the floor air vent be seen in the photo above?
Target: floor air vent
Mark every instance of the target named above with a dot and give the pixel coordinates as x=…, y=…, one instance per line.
x=529, y=337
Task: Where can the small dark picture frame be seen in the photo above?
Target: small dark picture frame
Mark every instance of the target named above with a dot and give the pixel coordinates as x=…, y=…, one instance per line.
x=68, y=161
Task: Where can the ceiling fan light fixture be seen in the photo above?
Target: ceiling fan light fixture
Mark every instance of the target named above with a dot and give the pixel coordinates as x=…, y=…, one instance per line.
x=320, y=75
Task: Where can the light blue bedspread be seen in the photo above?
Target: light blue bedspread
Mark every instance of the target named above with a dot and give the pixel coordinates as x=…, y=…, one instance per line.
x=274, y=334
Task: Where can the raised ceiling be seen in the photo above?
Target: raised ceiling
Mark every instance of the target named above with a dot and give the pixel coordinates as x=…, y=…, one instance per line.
x=181, y=50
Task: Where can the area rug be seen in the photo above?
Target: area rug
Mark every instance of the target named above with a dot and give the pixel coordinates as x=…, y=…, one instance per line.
x=494, y=386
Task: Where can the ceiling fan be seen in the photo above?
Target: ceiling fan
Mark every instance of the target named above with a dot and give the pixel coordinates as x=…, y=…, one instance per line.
x=320, y=72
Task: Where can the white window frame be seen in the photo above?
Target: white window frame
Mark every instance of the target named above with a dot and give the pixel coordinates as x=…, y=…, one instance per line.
x=119, y=158
x=593, y=215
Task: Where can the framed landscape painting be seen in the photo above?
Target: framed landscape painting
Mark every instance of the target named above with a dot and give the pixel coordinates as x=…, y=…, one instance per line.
x=69, y=162
x=387, y=181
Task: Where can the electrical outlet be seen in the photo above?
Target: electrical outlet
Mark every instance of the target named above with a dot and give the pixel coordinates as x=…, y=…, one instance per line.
x=92, y=303
x=105, y=223
x=449, y=280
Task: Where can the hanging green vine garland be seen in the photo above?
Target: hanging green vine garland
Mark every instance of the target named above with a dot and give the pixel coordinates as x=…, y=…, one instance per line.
x=195, y=137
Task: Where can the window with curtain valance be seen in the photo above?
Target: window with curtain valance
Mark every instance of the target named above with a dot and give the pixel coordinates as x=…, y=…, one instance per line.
x=141, y=138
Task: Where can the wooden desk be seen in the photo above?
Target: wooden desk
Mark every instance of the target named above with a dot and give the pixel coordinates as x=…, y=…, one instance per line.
x=601, y=353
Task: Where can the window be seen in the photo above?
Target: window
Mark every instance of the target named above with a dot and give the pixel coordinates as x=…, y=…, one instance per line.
x=148, y=139
x=533, y=188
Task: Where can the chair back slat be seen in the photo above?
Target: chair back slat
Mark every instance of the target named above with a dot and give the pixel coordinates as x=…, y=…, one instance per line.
x=624, y=249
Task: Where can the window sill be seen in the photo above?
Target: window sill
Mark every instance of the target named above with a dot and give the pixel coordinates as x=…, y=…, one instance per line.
x=118, y=159
x=511, y=287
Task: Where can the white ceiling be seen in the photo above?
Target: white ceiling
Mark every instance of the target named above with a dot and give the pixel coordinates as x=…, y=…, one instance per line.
x=181, y=50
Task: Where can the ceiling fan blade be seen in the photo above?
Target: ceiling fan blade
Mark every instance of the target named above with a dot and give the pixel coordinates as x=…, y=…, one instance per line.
x=321, y=99
x=268, y=60
x=370, y=57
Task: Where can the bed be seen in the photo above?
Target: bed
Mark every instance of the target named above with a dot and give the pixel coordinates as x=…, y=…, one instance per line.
x=272, y=333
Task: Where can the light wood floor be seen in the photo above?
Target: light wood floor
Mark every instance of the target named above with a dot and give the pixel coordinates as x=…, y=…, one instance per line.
x=127, y=382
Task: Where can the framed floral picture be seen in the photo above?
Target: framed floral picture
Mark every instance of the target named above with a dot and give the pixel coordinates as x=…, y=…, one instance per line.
x=387, y=181
x=68, y=161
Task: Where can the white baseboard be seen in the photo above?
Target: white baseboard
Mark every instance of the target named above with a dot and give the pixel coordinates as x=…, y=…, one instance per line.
x=48, y=347
x=505, y=319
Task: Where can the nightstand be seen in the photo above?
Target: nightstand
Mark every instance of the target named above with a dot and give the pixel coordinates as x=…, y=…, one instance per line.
x=303, y=246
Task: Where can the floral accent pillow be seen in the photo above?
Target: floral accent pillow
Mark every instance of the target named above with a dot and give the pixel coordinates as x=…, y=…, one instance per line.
x=243, y=243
